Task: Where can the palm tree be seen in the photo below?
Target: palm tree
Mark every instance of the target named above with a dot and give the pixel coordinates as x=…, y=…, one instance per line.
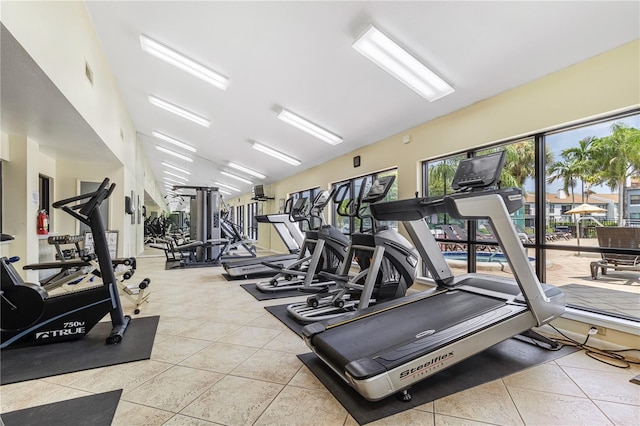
x=567, y=171
x=519, y=163
x=619, y=153
x=582, y=156
x=440, y=176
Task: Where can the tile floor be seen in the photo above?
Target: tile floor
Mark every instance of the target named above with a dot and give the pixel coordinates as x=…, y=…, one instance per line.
x=220, y=358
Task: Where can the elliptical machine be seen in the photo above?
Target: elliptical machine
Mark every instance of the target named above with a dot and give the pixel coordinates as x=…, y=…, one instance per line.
x=31, y=316
x=386, y=259
x=323, y=249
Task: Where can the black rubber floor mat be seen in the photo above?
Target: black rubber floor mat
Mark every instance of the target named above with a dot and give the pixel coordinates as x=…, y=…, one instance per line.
x=280, y=312
x=35, y=362
x=94, y=410
x=498, y=361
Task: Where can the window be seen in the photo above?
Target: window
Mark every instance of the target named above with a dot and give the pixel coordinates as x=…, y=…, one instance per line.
x=558, y=172
x=349, y=224
x=252, y=212
x=240, y=218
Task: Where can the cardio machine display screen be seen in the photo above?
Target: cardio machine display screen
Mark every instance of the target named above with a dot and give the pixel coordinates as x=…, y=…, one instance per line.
x=478, y=172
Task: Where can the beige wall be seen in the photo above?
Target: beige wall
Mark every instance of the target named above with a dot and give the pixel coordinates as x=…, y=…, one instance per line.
x=20, y=206
x=4, y=147
x=5, y=247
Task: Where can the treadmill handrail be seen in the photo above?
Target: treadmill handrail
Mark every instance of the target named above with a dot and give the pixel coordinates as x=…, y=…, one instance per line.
x=494, y=208
x=289, y=232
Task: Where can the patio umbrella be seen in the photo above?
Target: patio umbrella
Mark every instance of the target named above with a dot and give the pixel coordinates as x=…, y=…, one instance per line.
x=584, y=209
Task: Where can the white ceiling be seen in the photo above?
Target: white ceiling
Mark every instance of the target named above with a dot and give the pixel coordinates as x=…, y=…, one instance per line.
x=298, y=56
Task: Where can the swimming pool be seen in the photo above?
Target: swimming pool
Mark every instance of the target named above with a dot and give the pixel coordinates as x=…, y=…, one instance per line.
x=484, y=260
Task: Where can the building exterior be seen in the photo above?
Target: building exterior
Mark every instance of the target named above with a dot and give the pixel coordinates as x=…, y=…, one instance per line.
x=557, y=204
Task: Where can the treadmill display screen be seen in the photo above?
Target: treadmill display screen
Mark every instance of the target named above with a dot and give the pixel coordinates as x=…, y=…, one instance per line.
x=479, y=172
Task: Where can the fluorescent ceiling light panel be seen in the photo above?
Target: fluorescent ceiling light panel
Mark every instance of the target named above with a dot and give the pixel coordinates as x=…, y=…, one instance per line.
x=224, y=185
x=222, y=191
x=178, y=60
x=174, y=141
x=175, y=154
x=184, y=178
x=168, y=106
x=166, y=180
x=179, y=169
x=276, y=154
x=247, y=171
x=309, y=127
x=241, y=179
x=391, y=57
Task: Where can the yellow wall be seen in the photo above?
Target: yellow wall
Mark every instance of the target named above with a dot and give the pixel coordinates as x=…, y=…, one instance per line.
x=20, y=207
x=5, y=247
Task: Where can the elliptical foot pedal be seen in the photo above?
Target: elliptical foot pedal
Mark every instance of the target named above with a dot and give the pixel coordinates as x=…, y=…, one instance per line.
x=316, y=289
x=334, y=277
x=272, y=265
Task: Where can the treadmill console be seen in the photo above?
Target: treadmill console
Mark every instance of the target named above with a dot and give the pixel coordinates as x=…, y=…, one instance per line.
x=479, y=172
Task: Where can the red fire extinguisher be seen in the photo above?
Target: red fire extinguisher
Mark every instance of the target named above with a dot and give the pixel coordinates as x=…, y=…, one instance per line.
x=43, y=222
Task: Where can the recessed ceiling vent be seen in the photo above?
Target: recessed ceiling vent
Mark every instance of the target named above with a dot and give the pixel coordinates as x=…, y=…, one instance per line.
x=88, y=72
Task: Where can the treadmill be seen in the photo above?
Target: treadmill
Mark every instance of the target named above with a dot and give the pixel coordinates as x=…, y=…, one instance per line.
x=385, y=349
x=291, y=235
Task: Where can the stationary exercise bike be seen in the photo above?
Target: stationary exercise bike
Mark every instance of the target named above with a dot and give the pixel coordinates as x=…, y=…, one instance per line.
x=31, y=316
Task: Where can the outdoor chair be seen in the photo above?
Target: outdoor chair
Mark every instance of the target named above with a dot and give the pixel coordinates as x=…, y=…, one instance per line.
x=450, y=234
x=617, y=237
x=479, y=237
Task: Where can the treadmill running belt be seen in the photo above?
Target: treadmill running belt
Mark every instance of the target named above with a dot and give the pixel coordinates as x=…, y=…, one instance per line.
x=388, y=329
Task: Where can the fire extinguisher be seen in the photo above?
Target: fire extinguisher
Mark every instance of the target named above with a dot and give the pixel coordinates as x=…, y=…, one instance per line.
x=43, y=222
